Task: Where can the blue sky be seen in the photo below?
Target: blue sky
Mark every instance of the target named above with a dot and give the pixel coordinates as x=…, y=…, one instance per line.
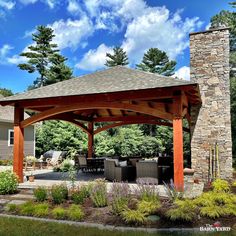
x=87, y=29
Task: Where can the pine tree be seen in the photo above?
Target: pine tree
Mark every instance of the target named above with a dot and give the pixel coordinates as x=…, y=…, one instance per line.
x=228, y=18
x=119, y=57
x=156, y=61
x=41, y=56
x=6, y=92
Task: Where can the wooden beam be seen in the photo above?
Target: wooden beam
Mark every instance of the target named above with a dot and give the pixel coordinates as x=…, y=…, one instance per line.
x=18, y=149
x=178, y=154
x=147, y=94
x=96, y=105
x=90, y=139
x=178, y=142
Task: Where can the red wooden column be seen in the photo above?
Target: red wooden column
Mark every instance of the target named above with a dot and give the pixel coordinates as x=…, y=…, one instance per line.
x=90, y=139
x=178, y=144
x=18, y=150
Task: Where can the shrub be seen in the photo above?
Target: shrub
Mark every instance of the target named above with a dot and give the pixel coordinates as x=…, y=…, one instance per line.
x=214, y=205
x=40, y=194
x=133, y=216
x=120, y=194
x=75, y=212
x=234, y=184
x=41, y=209
x=146, y=189
x=11, y=207
x=172, y=192
x=118, y=205
x=27, y=208
x=99, y=194
x=66, y=165
x=59, y=213
x=148, y=207
x=220, y=185
x=184, y=210
x=59, y=193
x=8, y=182
x=80, y=195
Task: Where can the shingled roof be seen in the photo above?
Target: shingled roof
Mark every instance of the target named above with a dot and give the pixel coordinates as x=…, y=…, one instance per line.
x=7, y=113
x=115, y=79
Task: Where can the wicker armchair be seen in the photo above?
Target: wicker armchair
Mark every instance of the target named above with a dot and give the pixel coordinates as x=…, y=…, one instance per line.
x=147, y=169
x=117, y=173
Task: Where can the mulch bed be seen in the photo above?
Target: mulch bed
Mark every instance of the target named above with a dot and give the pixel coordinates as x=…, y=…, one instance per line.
x=104, y=216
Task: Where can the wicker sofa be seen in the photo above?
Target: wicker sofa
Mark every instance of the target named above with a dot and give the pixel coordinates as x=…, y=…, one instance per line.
x=113, y=172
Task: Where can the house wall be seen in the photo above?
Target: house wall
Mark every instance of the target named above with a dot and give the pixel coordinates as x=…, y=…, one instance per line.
x=6, y=152
x=211, y=123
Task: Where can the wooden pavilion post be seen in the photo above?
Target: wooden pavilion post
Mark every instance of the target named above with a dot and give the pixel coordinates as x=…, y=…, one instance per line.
x=178, y=144
x=18, y=150
x=90, y=139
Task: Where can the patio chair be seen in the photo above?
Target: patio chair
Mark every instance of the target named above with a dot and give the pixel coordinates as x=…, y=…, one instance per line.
x=147, y=169
x=55, y=160
x=82, y=163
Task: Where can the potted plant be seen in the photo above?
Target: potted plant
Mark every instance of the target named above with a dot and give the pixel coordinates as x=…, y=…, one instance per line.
x=31, y=177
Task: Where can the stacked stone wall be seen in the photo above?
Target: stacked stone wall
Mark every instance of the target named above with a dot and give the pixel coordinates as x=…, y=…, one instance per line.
x=211, y=123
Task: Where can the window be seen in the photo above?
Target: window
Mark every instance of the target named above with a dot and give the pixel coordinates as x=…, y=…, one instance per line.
x=10, y=137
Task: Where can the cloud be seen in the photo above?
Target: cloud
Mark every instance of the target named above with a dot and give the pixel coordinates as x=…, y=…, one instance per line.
x=7, y=5
x=94, y=59
x=26, y=2
x=183, y=73
x=51, y=3
x=70, y=33
x=156, y=27
x=73, y=7
x=4, y=50
x=16, y=59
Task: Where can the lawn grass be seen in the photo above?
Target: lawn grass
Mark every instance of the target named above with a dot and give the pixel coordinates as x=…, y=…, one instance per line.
x=25, y=227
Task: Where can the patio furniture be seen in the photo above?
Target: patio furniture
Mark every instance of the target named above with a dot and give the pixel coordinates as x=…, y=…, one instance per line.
x=147, y=169
x=114, y=172
x=55, y=160
x=82, y=163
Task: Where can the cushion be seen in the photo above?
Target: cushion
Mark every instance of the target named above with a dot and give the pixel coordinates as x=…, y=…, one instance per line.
x=123, y=163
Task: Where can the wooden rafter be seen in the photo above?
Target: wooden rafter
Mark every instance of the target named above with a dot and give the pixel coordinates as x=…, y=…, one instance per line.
x=96, y=105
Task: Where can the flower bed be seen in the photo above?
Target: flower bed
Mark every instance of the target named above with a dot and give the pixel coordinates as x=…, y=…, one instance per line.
x=120, y=206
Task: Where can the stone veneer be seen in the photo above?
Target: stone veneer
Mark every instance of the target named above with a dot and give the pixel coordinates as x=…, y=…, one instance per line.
x=210, y=123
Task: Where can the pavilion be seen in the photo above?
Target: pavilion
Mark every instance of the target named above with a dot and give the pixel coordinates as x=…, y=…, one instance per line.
x=117, y=95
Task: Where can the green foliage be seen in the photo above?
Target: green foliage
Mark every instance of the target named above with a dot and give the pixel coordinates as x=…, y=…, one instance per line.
x=6, y=92
x=58, y=213
x=172, y=192
x=118, y=205
x=184, y=210
x=120, y=195
x=75, y=213
x=43, y=58
x=27, y=208
x=41, y=210
x=59, y=135
x=135, y=217
x=148, y=207
x=234, y=184
x=66, y=165
x=156, y=61
x=8, y=182
x=216, y=204
x=6, y=162
x=40, y=194
x=220, y=185
x=78, y=197
x=59, y=193
x=98, y=194
x=119, y=57
x=11, y=207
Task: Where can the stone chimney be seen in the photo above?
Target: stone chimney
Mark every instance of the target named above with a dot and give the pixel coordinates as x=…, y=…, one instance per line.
x=211, y=123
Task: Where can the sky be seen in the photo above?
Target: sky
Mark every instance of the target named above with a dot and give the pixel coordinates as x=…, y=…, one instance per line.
x=87, y=29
